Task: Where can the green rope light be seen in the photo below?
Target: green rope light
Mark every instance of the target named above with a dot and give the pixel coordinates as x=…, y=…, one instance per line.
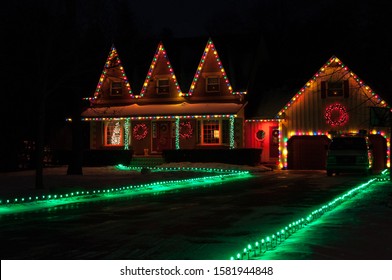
x=232, y=141
x=127, y=129
x=270, y=242
x=23, y=204
x=177, y=123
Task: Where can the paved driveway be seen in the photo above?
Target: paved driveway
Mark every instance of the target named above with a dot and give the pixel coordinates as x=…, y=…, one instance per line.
x=210, y=222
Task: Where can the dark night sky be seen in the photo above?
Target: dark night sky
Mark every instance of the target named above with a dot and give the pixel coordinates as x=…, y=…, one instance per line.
x=63, y=45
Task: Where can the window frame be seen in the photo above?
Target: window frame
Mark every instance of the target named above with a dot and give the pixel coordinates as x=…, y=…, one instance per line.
x=107, y=133
x=112, y=88
x=159, y=86
x=203, y=134
x=208, y=78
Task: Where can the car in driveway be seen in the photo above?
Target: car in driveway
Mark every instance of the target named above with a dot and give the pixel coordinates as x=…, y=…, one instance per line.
x=352, y=153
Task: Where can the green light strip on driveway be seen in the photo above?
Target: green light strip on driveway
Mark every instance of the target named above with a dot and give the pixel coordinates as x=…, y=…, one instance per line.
x=274, y=239
x=30, y=203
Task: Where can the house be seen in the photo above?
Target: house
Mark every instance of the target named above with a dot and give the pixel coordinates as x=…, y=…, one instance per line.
x=334, y=101
x=210, y=114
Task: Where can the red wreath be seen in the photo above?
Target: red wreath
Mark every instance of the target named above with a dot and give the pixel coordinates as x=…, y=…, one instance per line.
x=140, y=131
x=336, y=115
x=186, y=130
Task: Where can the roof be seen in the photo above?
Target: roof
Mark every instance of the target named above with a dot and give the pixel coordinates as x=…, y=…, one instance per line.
x=182, y=109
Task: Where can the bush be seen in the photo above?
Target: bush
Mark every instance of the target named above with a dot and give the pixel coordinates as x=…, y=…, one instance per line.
x=230, y=156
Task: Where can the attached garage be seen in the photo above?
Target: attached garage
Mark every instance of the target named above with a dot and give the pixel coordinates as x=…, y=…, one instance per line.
x=307, y=152
x=379, y=145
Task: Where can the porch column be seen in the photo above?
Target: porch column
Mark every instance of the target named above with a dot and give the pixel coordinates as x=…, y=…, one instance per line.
x=231, y=130
x=127, y=126
x=177, y=124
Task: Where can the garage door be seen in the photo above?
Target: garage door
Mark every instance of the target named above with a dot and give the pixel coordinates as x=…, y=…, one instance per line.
x=307, y=152
x=379, y=144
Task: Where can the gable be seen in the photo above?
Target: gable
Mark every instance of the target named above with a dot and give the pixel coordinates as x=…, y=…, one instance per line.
x=160, y=80
x=210, y=78
x=335, y=98
x=113, y=85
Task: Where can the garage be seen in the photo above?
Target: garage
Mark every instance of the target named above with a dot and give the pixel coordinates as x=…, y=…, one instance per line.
x=307, y=152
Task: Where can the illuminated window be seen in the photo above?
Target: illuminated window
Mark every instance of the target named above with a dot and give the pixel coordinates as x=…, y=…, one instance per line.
x=211, y=132
x=114, y=133
x=162, y=86
x=212, y=84
x=116, y=88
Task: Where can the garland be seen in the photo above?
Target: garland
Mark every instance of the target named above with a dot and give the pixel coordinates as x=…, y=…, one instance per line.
x=186, y=130
x=336, y=115
x=140, y=131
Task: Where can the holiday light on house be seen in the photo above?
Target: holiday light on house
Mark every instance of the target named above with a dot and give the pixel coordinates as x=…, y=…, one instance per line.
x=127, y=125
x=333, y=60
x=112, y=61
x=159, y=53
x=210, y=48
x=155, y=117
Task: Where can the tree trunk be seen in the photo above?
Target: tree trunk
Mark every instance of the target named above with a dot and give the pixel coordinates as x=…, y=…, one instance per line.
x=76, y=160
x=39, y=147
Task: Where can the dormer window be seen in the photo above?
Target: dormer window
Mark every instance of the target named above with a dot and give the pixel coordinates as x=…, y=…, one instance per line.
x=163, y=86
x=335, y=89
x=115, y=88
x=212, y=84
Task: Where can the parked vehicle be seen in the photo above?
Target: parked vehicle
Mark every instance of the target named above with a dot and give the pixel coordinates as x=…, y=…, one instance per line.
x=349, y=154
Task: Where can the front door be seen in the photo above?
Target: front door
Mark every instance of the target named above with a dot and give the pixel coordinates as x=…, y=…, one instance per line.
x=163, y=136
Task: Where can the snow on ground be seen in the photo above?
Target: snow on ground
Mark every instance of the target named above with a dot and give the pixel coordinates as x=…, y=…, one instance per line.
x=21, y=183
x=360, y=228
x=357, y=229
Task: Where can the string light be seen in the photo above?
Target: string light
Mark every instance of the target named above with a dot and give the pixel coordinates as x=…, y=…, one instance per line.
x=160, y=55
x=22, y=204
x=286, y=231
x=126, y=129
x=140, y=131
x=336, y=115
x=210, y=48
x=231, y=136
x=155, y=117
x=113, y=61
x=332, y=62
x=177, y=126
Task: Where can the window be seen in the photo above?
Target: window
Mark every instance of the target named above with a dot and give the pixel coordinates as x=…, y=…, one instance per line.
x=335, y=89
x=162, y=86
x=212, y=84
x=211, y=132
x=116, y=88
x=113, y=134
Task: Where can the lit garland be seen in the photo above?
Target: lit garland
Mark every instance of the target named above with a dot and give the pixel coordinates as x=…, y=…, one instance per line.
x=154, y=117
x=209, y=48
x=177, y=124
x=186, y=130
x=140, y=131
x=272, y=241
x=336, y=115
x=158, y=54
x=330, y=63
x=112, y=61
x=126, y=129
x=231, y=136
